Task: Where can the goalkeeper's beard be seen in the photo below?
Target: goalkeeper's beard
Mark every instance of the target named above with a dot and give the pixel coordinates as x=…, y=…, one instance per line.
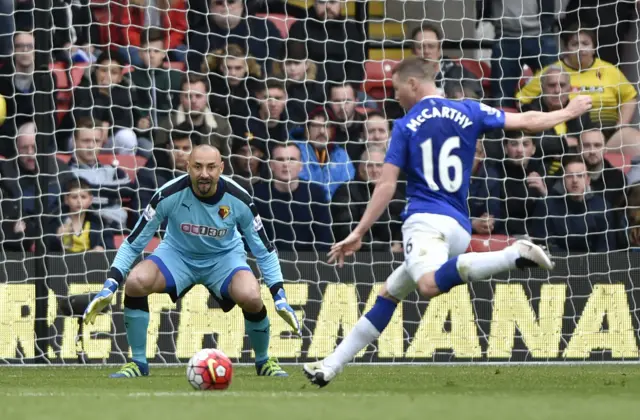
x=204, y=187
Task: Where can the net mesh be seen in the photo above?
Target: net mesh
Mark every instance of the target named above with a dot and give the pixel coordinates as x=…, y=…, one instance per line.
x=298, y=97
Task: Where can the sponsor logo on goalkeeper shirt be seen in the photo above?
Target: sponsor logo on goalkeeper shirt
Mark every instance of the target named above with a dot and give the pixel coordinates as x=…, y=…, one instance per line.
x=149, y=213
x=201, y=230
x=257, y=223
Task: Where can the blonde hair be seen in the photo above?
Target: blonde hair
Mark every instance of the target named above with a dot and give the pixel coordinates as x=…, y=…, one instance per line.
x=279, y=71
x=215, y=60
x=416, y=67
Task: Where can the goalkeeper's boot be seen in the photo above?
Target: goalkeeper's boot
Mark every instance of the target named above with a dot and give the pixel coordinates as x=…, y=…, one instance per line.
x=319, y=374
x=532, y=255
x=132, y=370
x=270, y=367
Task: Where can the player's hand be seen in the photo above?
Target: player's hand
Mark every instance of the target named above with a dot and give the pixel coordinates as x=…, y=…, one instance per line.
x=101, y=301
x=286, y=312
x=350, y=245
x=579, y=105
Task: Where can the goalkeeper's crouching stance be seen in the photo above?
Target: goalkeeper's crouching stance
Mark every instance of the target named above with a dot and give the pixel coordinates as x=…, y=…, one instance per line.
x=207, y=214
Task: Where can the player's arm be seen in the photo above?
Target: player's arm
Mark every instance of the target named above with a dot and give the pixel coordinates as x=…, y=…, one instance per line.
x=144, y=230
x=131, y=248
x=535, y=121
x=267, y=259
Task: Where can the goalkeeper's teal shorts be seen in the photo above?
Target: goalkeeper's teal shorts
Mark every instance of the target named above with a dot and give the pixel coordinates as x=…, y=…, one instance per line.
x=182, y=273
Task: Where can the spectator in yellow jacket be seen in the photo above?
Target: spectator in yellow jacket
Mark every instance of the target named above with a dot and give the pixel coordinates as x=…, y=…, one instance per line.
x=614, y=98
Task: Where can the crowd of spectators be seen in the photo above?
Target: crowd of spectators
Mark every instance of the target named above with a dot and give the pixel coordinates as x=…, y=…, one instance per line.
x=296, y=129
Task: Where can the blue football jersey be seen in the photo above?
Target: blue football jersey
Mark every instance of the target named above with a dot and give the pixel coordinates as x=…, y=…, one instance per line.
x=201, y=230
x=434, y=144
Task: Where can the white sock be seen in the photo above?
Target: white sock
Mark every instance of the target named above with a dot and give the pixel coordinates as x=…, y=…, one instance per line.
x=363, y=334
x=482, y=265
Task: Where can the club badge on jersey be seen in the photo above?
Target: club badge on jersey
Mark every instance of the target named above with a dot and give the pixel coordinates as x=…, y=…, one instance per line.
x=224, y=212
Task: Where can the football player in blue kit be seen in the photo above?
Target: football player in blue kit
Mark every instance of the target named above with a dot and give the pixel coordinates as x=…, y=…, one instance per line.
x=434, y=144
x=207, y=215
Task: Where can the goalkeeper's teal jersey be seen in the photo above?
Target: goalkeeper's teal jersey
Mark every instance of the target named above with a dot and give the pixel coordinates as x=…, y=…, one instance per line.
x=202, y=230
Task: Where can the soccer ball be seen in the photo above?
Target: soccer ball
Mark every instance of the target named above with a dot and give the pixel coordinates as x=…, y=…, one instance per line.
x=210, y=369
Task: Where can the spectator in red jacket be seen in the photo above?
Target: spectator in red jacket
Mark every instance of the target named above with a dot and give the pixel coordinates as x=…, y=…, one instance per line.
x=130, y=17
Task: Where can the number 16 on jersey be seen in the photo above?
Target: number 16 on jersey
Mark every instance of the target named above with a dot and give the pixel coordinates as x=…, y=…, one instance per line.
x=449, y=165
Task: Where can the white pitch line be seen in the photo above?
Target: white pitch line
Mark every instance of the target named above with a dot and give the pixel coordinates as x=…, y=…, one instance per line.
x=197, y=394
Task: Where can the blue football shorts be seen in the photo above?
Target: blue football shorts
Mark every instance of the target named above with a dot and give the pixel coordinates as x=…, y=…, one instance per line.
x=182, y=273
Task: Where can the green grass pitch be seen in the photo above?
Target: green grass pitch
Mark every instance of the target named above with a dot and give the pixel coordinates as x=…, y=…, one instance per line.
x=603, y=392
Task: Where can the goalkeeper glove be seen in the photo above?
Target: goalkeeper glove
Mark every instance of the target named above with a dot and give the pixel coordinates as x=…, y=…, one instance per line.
x=285, y=311
x=101, y=301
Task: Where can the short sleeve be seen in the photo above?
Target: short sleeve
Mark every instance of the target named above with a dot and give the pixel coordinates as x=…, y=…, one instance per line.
x=487, y=117
x=397, y=153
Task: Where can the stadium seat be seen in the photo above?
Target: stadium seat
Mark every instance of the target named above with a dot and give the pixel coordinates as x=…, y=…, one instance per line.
x=66, y=80
x=101, y=14
x=378, y=78
x=153, y=243
x=509, y=109
x=128, y=163
x=282, y=22
x=175, y=65
x=527, y=74
x=63, y=157
x=488, y=243
x=619, y=160
x=364, y=111
x=481, y=69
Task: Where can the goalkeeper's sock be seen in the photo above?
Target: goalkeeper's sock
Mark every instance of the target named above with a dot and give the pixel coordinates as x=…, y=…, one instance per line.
x=136, y=320
x=474, y=266
x=257, y=327
x=366, y=331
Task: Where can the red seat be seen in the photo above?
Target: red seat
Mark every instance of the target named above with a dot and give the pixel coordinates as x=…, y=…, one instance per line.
x=151, y=246
x=620, y=161
x=65, y=86
x=128, y=163
x=364, y=111
x=488, y=243
x=378, y=75
x=175, y=65
x=480, y=69
x=509, y=109
x=283, y=22
x=102, y=17
x=527, y=74
x=64, y=157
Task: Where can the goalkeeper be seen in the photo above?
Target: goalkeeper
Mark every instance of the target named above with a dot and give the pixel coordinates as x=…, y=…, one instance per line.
x=202, y=246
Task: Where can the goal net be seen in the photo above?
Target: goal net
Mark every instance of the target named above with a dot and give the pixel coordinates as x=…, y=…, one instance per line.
x=101, y=102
